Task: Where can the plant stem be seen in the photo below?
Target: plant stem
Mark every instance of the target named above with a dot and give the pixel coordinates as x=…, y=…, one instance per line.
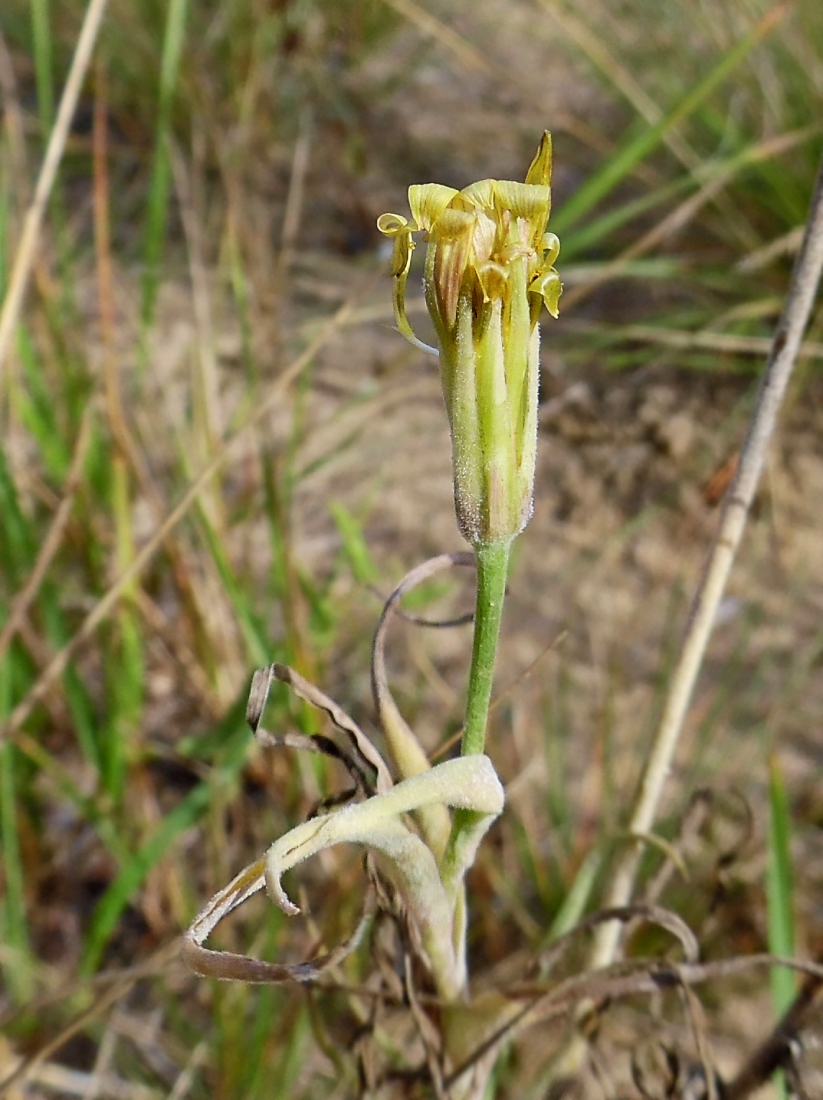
x=793, y=321
x=492, y=564
x=492, y=571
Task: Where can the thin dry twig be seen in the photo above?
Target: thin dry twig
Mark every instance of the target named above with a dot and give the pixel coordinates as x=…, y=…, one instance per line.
x=775, y=1050
x=628, y=979
x=24, y=257
x=297, y=191
x=62, y=992
x=792, y=324
x=28, y=1065
x=208, y=416
x=431, y=27
x=725, y=343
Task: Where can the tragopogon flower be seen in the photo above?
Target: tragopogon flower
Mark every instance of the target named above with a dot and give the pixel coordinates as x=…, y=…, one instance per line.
x=489, y=271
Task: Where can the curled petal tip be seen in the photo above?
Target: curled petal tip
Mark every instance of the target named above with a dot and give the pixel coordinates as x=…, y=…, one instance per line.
x=391, y=224
x=549, y=288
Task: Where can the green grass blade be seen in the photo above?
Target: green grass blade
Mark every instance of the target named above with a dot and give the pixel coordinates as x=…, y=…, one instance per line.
x=159, y=188
x=779, y=886
x=37, y=406
x=233, y=742
x=86, y=726
x=252, y=627
x=43, y=64
x=16, y=543
x=18, y=546
x=13, y=921
x=592, y=232
x=291, y=1051
x=637, y=148
x=134, y=871
x=355, y=548
x=125, y=665
x=575, y=902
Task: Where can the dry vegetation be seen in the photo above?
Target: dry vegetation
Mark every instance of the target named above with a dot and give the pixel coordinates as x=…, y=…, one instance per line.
x=215, y=452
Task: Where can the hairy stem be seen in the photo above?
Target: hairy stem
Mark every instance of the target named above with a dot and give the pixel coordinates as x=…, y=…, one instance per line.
x=492, y=571
x=492, y=562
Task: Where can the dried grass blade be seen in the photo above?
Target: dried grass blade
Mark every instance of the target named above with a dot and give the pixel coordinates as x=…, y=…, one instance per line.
x=407, y=752
x=26, y=249
x=316, y=698
x=229, y=966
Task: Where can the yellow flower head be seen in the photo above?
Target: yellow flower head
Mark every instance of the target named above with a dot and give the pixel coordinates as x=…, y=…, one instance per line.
x=489, y=270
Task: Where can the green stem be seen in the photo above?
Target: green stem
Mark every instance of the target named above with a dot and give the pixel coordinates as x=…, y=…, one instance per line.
x=492, y=571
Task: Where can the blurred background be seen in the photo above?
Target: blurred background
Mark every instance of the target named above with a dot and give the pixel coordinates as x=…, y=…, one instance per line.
x=217, y=452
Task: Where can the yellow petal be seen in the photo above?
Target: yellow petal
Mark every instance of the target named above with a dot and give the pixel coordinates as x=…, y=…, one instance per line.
x=493, y=279
x=527, y=201
x=484, y=236
x=548, y=286
x=427, y=201
x=477, y=196
x=540, y=169
x=391, y=224
x=396, y=226
x=451, y=237
x=550, y=246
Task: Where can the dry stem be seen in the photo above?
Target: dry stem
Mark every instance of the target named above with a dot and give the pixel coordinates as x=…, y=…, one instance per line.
x=799, y=301
x=24, y=257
